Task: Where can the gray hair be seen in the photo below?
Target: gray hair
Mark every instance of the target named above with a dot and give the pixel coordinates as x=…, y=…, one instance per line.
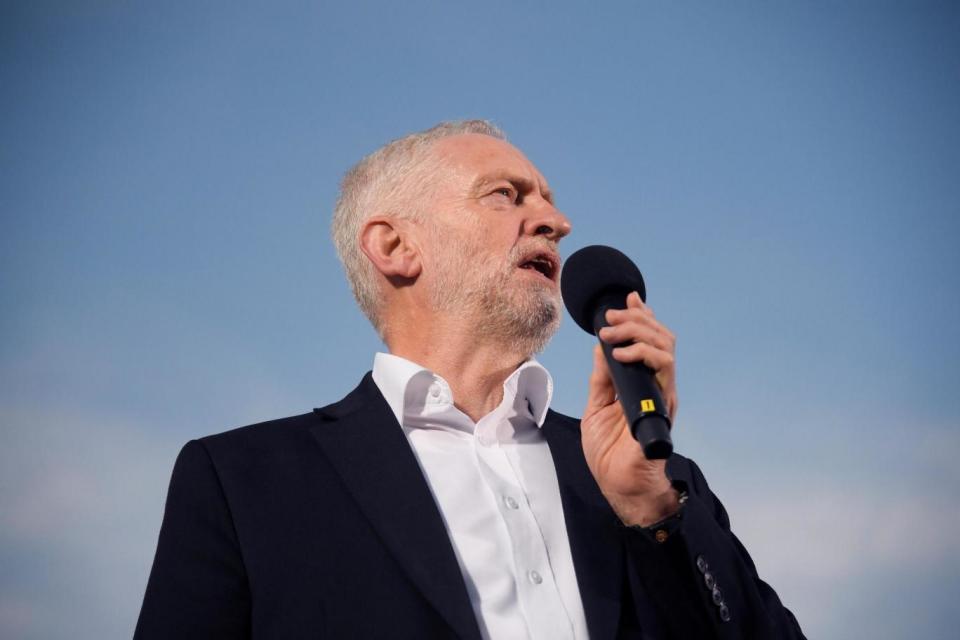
x=392, y=181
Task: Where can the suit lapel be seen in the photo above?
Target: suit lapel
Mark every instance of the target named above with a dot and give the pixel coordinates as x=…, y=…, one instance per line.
x=364, y=443
x=592, y=527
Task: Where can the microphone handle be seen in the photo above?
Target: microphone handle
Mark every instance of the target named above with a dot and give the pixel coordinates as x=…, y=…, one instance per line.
x=637, y=391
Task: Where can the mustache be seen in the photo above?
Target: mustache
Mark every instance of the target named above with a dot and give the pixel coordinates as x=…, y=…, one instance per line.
x=519, y=251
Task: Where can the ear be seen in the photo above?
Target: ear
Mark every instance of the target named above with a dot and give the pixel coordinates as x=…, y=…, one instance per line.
x=388, y=245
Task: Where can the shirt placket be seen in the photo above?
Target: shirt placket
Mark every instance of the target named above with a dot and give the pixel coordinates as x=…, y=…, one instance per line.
x=538, y=592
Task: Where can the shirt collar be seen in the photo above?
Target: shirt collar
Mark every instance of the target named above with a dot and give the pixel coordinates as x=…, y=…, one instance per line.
x=404, y=383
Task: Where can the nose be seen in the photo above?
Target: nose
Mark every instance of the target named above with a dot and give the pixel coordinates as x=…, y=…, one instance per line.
x=547, y=221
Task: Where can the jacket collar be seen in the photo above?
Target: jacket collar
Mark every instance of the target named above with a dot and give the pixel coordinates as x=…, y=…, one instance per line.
x=364, y=443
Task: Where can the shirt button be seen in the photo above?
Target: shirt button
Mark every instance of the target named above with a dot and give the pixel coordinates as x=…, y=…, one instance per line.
x=510, y=502
x=661, y=535
x=709, y=580
x=534, y=577
x=435, y=391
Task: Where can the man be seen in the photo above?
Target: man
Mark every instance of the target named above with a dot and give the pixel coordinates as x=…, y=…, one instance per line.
x=442, y=498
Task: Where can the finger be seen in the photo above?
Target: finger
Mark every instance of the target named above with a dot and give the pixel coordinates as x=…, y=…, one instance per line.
x=633, y=332
x=600, y=392
x=634, y=301
x=631, y=312
x=656, y=359
x=616, y=317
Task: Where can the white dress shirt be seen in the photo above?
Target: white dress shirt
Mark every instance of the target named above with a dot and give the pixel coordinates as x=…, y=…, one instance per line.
x=496, y=487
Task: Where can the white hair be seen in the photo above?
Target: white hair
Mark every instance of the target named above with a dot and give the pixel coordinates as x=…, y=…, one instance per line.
x=393, y=181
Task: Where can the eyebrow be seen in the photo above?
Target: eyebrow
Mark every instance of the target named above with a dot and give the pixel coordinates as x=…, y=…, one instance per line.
x=523, y=185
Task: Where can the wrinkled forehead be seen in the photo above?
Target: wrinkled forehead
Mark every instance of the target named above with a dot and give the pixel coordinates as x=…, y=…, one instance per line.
x=473, y=155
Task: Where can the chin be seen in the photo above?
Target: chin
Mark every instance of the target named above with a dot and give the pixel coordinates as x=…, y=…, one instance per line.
x=532, y=324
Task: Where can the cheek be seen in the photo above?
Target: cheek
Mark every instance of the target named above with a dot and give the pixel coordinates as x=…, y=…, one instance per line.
x=499, y=241
x=476, y=239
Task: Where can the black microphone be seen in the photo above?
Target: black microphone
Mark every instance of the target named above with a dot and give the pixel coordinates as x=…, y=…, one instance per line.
x=598, y=278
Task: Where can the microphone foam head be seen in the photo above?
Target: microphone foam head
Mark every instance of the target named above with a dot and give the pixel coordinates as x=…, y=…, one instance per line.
x=594, y=272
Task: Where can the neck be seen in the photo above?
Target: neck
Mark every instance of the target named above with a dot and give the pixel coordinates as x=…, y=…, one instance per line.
x=474, y=368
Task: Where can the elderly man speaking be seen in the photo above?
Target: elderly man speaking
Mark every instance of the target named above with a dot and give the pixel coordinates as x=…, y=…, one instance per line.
x=443, y=498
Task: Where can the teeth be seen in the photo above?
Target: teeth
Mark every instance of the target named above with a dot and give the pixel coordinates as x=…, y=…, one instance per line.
x=540, y=264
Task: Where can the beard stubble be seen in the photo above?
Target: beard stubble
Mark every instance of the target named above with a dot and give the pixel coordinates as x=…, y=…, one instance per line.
x=504, y=306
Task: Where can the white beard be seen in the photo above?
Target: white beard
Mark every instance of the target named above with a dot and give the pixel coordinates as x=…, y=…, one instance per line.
x=523, y=315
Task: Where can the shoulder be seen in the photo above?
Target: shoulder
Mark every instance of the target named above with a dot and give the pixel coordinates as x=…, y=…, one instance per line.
x=274, y=443
x=262, y=435
x=284, y=432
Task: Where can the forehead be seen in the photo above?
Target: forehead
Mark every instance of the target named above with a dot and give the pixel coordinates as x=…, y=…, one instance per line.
x=474, y=155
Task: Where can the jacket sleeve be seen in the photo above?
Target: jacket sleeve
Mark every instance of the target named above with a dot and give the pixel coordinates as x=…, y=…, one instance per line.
x=700, y=577
x=198, y=585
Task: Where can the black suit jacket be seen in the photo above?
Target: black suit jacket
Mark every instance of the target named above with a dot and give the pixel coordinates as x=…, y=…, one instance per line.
x=323, y=526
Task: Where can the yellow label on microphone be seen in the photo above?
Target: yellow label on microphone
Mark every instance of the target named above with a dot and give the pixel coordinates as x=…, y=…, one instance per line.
x=647, y=405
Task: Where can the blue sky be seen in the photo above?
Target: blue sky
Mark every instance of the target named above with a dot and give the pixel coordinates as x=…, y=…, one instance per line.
x=784, y=174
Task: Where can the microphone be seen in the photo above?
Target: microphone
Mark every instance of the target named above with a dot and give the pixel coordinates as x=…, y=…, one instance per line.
x=595, y=279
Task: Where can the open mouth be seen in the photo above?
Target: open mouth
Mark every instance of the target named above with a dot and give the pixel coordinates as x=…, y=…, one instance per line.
x=543, y=263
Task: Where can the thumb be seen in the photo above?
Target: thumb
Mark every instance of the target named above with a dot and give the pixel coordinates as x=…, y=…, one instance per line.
x=601, y=392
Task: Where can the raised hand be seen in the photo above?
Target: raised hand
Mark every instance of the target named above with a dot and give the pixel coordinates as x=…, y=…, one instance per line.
x=637, y=488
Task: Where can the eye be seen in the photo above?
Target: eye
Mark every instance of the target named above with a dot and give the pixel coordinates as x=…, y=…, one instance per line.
x=509, y=193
